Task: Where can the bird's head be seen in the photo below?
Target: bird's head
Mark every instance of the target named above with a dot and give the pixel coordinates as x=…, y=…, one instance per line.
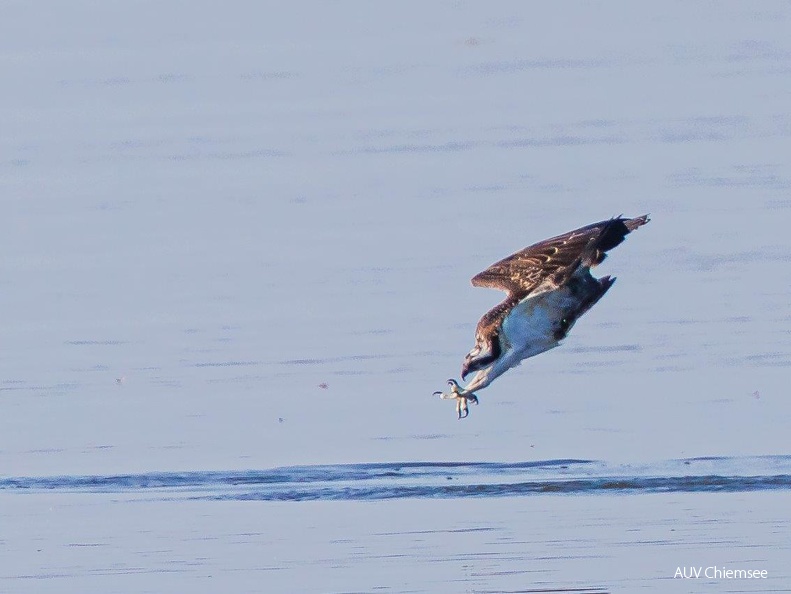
x=480, y=357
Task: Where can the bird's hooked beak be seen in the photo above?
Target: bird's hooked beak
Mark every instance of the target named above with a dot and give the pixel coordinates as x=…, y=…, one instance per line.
x=465, y=367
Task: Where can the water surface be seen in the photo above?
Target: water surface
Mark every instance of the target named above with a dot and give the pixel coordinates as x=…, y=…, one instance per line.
x=236, y=245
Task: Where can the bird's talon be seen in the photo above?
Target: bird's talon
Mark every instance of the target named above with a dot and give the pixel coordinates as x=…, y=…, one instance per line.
x=460, y=396
x=532, y=320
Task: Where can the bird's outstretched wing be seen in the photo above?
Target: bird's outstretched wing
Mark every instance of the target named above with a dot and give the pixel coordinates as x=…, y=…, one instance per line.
x=547, y=264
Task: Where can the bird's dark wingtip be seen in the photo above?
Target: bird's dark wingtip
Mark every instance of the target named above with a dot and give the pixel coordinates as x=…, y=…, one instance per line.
x=636, y=222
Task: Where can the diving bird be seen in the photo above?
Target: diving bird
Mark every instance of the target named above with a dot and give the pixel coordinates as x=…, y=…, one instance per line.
x=548, y=287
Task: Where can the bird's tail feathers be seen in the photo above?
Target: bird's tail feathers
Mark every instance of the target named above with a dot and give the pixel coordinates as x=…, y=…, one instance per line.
x=604, y=283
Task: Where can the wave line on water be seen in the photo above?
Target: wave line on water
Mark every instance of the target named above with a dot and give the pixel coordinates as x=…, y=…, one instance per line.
x=404, y=480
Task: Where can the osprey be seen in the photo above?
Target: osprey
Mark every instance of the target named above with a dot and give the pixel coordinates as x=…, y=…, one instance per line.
x=548, y=287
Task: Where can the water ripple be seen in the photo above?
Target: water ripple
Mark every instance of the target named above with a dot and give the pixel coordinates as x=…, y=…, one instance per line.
x=402, y=480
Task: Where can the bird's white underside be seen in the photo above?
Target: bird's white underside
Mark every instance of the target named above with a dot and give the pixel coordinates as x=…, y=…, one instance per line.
x=528, y=330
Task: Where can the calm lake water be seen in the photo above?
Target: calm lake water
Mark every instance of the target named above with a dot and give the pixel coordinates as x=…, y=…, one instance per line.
x=236, y=249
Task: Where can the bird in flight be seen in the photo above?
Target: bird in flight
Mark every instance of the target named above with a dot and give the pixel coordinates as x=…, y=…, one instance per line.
x=548, y=287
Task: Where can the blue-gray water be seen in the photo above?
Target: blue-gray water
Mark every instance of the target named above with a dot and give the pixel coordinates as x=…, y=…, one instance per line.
x=240, y=236
x=404, y=480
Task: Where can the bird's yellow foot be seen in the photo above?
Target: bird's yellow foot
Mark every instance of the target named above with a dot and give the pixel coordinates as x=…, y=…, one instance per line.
x=460, y=396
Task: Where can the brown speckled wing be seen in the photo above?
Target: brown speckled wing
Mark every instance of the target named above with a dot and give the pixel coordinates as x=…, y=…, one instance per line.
x=548, y=264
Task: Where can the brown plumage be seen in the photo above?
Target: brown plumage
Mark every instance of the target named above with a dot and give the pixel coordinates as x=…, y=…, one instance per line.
x=548, y=286
x=548, y=265
x=558, y=268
